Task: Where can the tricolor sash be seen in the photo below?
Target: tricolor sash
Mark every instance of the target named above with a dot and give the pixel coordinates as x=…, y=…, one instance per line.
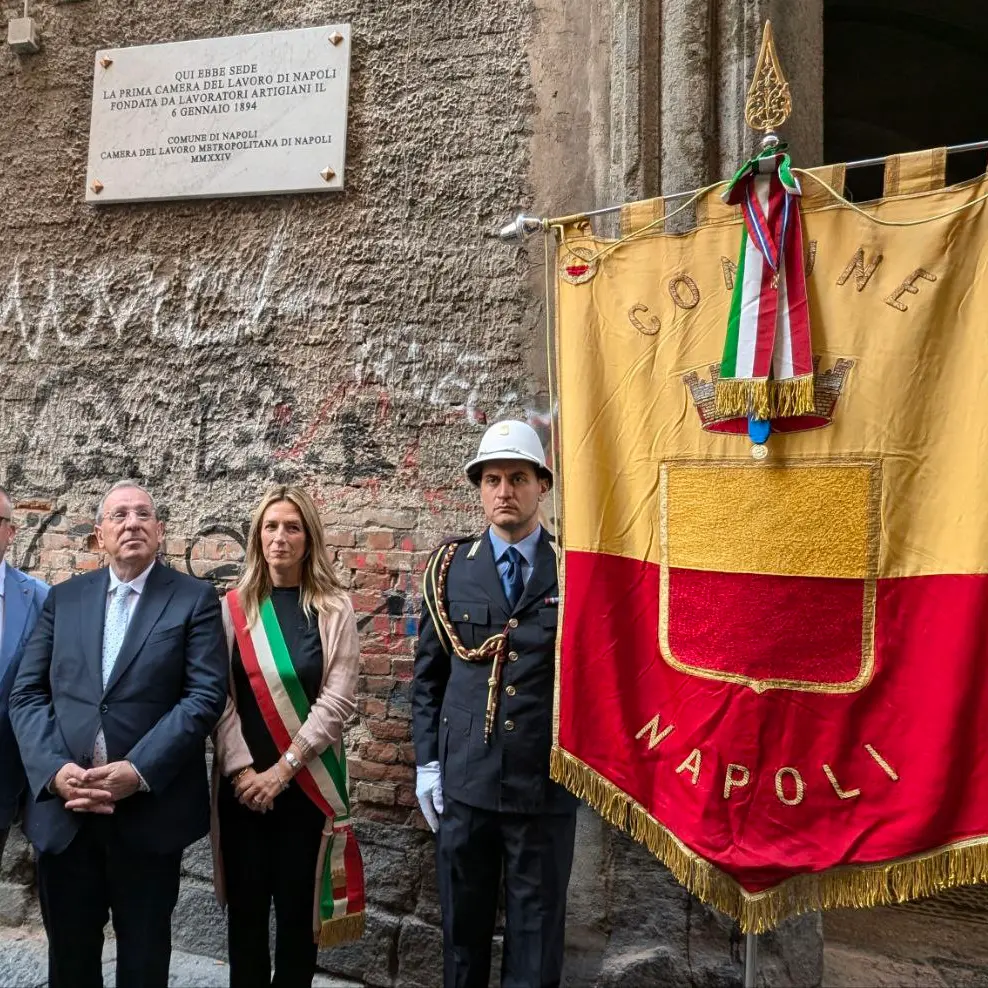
x=338, y=914
x=767, y=367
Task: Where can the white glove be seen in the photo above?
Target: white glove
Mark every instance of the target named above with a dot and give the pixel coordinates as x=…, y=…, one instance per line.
x=429, y=790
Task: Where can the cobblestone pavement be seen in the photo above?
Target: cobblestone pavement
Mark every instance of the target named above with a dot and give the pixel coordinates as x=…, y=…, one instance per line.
x=24, y=964
x=934, y=943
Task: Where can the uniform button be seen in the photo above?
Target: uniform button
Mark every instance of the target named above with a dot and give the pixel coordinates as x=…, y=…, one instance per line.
x=510, y=690
x=466, y=617
x=509, y=725
x=103, y=708
x=512, y=656
x=513, y=623
x=445, y=720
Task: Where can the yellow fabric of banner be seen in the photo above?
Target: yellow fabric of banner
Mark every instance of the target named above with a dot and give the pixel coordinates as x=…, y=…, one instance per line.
x=813, y=521
x=654, y=311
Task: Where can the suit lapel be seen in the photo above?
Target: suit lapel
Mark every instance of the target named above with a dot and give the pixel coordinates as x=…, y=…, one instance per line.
x=92, y=613
x=543, y=577
x=16, y=607
x=157, y=592
x=484, y=571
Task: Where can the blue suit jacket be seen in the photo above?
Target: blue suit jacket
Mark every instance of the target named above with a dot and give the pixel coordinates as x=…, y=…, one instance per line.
x=163, y=698
x=23, y=597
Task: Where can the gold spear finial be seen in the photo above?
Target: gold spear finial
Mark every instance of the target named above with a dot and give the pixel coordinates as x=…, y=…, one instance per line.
x=768, y=104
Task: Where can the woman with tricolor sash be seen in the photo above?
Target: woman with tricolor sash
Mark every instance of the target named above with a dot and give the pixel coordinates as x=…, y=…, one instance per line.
x=281, y=820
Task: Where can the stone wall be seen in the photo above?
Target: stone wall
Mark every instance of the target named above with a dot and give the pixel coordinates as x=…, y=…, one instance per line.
x=356, y=344
x=352, y=343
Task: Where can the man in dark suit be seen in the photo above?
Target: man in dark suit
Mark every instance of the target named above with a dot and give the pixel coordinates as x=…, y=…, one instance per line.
x=482, y=723
x=21, y=597
x=121, y=683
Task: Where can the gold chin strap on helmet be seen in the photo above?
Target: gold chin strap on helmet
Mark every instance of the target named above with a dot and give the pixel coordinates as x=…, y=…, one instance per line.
x=434, y=593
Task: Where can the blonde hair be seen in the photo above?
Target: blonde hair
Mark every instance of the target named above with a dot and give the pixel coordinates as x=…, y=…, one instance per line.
x=321, y=590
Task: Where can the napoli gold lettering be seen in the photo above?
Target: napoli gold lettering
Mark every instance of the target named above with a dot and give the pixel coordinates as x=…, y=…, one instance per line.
x=844, y=794
x=780, y=788
x=676, y=292
x=691, y=764
x=735, y=777
x=856, y=266
x=655, y=736
x=886, y=768
x=909, y=285
x=730, y=270
x=809, y=262
x=653, y=321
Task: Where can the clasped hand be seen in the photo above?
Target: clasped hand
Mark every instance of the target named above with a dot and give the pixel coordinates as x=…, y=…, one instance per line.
x=95, y=790
x=257, y=790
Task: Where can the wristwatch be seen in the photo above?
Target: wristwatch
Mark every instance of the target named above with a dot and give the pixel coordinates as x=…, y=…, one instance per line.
x=294, y=764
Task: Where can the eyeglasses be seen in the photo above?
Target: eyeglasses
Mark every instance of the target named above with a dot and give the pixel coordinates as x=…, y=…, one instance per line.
x=120, y=516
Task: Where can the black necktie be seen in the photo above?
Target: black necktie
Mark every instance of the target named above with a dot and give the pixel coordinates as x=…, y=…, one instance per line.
x=514, y=584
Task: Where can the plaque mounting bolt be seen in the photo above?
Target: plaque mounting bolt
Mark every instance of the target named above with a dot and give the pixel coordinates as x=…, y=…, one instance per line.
x=328, y=174
x=97, y=186
x=106, y=61
x=335, y=38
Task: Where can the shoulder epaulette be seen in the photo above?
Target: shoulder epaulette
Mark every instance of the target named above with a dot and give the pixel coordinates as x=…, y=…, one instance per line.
x=452, y=540
x=458, y=539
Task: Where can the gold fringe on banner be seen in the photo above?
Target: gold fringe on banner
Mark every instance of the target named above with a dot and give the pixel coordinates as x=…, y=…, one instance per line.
x=594, y=789
x=342, y=930
x=765, y=399
x=742, y=397
x=854, y=886
x=793, y=396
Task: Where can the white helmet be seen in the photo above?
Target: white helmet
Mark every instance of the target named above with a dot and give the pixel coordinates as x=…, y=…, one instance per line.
x=509, y=440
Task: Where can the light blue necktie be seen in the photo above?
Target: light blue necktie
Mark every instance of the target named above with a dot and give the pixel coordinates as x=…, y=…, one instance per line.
x=114, y=629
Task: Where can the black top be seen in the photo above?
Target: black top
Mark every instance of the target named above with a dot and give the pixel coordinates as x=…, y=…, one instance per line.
x=304, y=647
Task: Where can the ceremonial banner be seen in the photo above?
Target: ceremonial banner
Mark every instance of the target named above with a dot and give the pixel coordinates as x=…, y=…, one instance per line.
x=773, y=668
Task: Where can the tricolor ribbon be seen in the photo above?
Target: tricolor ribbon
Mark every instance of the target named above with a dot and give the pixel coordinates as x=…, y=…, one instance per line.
x=767, y=369
x=338, y=910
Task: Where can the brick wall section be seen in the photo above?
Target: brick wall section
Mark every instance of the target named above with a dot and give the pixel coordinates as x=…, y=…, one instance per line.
x=380, y=556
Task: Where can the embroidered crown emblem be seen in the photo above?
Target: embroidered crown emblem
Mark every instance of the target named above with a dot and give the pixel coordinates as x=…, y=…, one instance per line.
x=827, y=389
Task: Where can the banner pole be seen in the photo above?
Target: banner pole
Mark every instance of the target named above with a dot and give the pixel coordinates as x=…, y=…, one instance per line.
x=524, y=226
x=750, y=959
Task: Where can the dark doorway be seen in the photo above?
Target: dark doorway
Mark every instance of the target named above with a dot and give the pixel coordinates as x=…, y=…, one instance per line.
x=902, y=75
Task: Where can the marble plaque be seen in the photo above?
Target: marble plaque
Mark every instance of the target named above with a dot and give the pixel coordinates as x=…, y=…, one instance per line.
x=250, y=115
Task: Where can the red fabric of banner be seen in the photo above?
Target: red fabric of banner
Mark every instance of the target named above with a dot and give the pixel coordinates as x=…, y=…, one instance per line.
x=736, y=757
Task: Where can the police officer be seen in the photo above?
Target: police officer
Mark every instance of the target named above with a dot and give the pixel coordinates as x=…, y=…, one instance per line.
x=482, y=723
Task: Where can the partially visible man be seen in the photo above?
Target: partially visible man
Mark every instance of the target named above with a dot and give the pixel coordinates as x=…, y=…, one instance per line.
x=21, y=598
x=482, y=722
x=121, y=683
